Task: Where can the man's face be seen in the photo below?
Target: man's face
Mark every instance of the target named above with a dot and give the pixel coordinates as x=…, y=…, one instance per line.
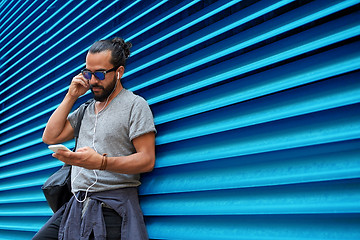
x=101, y=62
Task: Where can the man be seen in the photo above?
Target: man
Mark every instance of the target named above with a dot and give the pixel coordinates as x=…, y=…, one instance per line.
x=116, y=143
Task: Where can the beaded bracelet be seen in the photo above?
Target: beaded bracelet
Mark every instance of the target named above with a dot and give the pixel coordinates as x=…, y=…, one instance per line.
x=103, y=162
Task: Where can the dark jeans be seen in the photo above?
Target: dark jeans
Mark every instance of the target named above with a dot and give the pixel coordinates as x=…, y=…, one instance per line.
x=112, y=223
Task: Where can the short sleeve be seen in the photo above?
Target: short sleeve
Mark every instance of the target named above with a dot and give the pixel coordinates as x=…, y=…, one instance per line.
x=141, y=119
x=73, y=117
x=76, y=115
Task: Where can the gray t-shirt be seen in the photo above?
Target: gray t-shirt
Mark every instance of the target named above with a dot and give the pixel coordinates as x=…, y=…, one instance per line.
x=126, y=117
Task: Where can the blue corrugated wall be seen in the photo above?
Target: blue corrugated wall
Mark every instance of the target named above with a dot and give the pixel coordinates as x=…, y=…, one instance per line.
x=257, y=106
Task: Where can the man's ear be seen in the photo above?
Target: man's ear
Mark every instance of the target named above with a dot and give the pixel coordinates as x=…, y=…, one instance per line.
x=120, y=72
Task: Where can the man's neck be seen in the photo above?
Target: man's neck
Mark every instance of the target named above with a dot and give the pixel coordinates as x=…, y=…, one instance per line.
x=102, y=105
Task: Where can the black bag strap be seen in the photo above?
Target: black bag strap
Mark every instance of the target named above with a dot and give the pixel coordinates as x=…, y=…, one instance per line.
x=82, y=109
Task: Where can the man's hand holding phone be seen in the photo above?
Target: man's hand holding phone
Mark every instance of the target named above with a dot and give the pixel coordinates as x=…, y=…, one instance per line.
x=85, y=157
x=57, y=147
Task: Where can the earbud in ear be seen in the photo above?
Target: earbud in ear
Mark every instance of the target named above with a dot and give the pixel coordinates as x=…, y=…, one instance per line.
x=118, y=75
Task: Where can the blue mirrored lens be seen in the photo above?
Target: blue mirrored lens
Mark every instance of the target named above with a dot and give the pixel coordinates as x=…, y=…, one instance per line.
x=87, y=74
x=99, y=75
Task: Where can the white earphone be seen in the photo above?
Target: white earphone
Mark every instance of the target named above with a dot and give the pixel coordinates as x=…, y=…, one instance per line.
x=118, y=75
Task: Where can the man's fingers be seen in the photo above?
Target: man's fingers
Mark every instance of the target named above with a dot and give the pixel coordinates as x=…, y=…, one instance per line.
x=81, y=81
x=64, y=156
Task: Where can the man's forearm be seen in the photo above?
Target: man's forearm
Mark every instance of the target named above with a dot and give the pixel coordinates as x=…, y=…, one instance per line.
x=132, y=164
x=57, y=123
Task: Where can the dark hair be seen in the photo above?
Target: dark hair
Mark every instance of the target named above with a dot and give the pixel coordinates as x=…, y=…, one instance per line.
x=120, y=50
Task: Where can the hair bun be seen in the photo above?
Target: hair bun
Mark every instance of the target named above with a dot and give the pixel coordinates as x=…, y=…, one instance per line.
x=124, y=45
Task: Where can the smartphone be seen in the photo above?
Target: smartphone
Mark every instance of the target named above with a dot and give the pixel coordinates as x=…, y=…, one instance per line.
x=56, y=147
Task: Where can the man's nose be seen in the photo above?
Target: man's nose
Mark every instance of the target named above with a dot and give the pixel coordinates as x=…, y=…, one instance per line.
x=93, y=79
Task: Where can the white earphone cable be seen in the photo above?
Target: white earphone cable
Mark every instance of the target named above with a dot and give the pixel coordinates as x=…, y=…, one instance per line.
x=96, y=177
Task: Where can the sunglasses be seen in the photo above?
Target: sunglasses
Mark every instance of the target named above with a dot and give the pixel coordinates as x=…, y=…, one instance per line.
x=99, y=75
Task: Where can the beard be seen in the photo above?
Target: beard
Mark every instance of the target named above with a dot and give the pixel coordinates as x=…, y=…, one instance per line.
x=106, y=91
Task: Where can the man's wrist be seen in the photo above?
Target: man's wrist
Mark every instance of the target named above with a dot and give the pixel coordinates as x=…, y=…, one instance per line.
x=70, y=98
x=103, y=162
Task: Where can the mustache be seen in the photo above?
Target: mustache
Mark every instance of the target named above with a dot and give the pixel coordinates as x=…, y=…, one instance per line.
x=97, y=86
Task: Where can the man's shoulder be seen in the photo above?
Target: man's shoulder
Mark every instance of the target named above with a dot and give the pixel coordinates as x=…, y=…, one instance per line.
x=133, y=98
